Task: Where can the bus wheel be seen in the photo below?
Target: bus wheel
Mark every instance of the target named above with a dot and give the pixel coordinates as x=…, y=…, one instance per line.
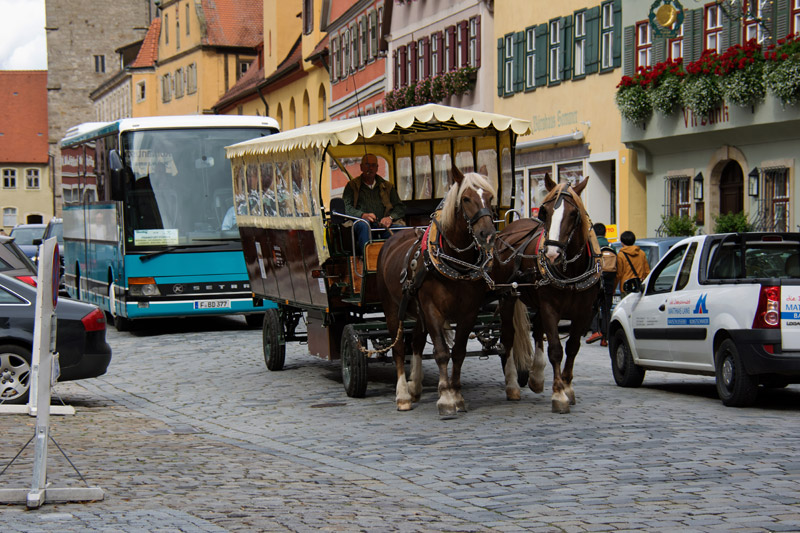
x=273, y=340
x=122, y=323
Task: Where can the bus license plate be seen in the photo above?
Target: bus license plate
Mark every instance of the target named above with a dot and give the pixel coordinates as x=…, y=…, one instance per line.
x=212, y=304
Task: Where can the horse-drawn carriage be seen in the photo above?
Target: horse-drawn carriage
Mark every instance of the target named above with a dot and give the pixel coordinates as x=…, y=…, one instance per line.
x=300, y=253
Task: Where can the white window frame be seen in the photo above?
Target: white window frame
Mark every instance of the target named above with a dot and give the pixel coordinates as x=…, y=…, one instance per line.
x=530, y=58
x=362, y=26
x=141, y=91
x=436, y=55
x=355, y=46
x=9, y=217
x=554, y=73
x=9, y=178
x=712, y=34
x=420, y=59
x=32, y=179
x=579, y=55
x=346, y=53
x=644, y=44
x=676, y=45
x=334, y=60
x=795, y=10
x=191, y=78
x=607, y=35
x=472, y=56
x=508, y=64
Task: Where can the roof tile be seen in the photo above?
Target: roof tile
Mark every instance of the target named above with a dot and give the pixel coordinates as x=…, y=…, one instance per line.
x=148, y=53
x=234, y=22
x=23, y=116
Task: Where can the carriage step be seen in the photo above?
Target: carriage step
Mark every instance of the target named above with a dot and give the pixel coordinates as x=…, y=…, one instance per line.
x=351, y=300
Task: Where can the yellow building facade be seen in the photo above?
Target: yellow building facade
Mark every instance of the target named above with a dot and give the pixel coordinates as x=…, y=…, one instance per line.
x=558, y=65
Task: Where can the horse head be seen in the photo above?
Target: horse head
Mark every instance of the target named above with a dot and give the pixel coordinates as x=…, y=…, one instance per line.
x=564, y=220
x=473, y=196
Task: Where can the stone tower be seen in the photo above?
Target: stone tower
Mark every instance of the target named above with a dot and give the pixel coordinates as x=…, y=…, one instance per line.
x=82, y=37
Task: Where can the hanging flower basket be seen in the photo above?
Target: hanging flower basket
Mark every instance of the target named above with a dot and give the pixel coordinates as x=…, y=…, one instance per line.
x=634, y=103
x=783, y=80
x=666, y=96
x=701, y=94
x=741, y=71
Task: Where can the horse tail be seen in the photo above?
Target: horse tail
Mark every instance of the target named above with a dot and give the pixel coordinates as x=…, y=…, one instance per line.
x=449, y=335
x=523, y=345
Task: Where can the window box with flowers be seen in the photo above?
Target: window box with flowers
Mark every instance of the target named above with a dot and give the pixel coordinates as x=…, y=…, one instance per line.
x=432, y=89
x=742, y=75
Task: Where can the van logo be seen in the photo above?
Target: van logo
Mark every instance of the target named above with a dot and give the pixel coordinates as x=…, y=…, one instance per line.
x=177, y=288
x=701, y=308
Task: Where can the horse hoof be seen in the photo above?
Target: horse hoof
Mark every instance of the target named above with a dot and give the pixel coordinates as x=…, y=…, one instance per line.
x=452, y=416
x=404, y=405
x=536, y=387
x=513, y=396
x=561, y=408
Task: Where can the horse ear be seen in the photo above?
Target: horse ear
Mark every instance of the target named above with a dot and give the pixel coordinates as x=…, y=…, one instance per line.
x=548, y=182
x=579, y=187
x=458, y=177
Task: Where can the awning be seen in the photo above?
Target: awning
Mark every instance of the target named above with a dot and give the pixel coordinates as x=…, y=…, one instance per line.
x=419, y=119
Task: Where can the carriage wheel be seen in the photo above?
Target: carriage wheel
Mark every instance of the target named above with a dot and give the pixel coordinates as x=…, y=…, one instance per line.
x=273, y=341
x=354, y=364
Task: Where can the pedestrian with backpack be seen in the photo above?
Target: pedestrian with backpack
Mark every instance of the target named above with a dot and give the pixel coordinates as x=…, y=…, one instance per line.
x=608, y=264
x=631, y=261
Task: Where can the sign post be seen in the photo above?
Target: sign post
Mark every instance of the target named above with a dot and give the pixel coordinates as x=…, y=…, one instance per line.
x=45, y=373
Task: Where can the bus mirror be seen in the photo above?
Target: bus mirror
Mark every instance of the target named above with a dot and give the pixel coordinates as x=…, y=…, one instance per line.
x=117, y=176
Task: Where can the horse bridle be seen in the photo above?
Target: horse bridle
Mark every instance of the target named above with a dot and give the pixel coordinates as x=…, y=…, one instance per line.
x=560, y=197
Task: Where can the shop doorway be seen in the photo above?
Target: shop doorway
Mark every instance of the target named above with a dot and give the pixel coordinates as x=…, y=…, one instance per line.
x=731, y=189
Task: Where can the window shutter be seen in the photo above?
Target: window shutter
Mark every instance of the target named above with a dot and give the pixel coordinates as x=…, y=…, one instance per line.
x=782, y=19
x=628, y=66
x=426, y=56
x=519, y=61
x=463, y=28
x=373, y=24
x=541, y=55
x=659, y=50
x=478, y=43
x=403, y=67
x=592, y=45
x=451, y=50
x=412, y=57
x=698, y=45
x=395, y=59
x=688, y=36
x=439, y=37
x=566, y=48
x=725, y=34
x=500, y=66
x=617, y=48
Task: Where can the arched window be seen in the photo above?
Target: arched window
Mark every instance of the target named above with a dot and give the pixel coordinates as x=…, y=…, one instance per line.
x=306, y=109
x=322, y=103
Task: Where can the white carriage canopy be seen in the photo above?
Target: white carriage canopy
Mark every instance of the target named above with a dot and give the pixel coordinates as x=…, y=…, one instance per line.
x=287, y=164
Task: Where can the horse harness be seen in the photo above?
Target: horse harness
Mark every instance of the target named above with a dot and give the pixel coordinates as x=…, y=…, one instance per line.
x=429, y=247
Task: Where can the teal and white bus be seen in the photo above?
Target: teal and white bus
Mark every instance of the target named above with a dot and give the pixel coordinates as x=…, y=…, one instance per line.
x=145, y=228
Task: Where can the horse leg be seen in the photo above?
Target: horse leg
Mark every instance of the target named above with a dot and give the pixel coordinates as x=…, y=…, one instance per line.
x=447, y=403
x=463, y=330
x=560, y=400
x=536, y=377
x=402, y=396
x=571, y=350
x=417, y=345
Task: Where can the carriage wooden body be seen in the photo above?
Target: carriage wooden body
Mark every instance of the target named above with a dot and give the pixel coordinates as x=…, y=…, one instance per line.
x=298, y=246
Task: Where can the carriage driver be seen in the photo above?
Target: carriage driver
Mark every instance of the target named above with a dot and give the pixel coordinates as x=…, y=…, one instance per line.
x=367, y=195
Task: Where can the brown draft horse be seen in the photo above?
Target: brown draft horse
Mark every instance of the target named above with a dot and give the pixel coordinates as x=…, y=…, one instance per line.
x=555, y=262
x=439, y=278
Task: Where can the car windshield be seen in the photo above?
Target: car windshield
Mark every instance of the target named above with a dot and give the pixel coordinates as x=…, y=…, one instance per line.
x=27, y=235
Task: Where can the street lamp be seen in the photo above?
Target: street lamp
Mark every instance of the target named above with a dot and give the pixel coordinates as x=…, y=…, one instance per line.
x=752, y=186
x=698, y=187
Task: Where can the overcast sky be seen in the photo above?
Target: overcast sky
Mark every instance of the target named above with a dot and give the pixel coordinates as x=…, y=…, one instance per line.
x=23, y=45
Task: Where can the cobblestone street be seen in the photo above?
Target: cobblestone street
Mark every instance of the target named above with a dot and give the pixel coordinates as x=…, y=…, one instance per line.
x=189, y=431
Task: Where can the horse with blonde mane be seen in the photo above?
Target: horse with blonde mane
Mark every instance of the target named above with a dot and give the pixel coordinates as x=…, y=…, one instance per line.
x=439, y=278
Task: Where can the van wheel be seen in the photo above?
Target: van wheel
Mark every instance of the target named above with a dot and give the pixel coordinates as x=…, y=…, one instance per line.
x=15, y=374
x=626, y=372
x=736, y=388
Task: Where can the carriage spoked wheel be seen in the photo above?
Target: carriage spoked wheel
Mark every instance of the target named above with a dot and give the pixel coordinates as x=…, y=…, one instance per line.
x=273, y=340
x=354, y=364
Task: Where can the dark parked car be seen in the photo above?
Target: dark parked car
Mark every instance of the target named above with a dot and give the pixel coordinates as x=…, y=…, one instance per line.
x=25, y=234
x=80, y=339
x=14, y=262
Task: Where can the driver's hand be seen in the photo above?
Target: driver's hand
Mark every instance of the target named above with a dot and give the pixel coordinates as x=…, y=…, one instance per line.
x=386, y=222
x=369, y=217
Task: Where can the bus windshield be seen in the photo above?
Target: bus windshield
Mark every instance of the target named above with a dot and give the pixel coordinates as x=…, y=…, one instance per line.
x=179, y=191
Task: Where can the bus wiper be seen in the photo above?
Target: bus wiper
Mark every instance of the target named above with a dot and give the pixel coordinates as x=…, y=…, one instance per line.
x=168, y=249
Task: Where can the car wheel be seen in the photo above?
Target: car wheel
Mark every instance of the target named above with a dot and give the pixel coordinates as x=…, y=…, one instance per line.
x=626, y=372
x=254, y=321
x=736, y=388
x=274, y=345
x=15, y=374
x=354, y=364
